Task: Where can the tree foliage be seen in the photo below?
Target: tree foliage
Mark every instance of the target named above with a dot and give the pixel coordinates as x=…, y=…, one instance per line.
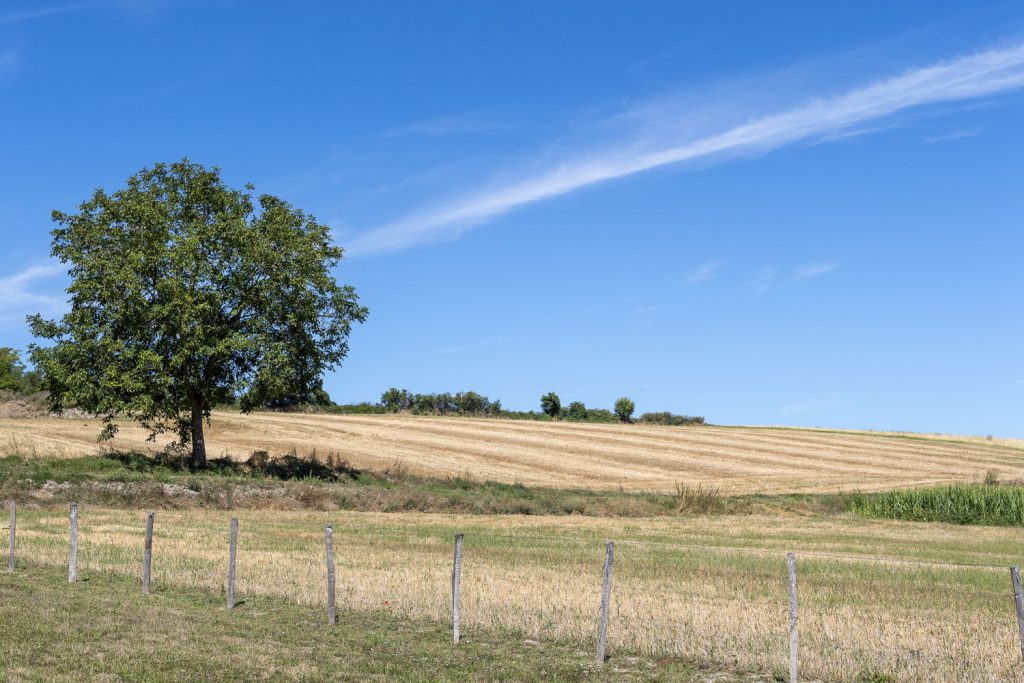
x=551, y=404
x=396, y=400
x=624, y=408
x=185, y=294
x=14, y=376
x=671, y=419
x=577, y=411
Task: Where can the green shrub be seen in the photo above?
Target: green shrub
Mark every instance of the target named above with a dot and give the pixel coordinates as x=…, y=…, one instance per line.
x=670, y=419
x=577, y=411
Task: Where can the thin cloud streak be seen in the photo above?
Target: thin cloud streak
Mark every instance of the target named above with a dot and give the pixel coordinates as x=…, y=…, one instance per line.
x=57, y=10
x=704, y=271
x=763, y=279
x=8, y=61
x=985, y=73
x=447, y=126
x=14, y=292
x=813, y=270
x=954, y=135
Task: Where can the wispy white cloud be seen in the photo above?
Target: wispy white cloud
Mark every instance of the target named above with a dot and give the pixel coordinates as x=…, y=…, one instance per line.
x=985, y=73
x=442, y=126
x=8, y=61
x=17, y=296
x=44, y=12
x=31, y=13
x=653, y=308
x=813, y=270
x=763, y=279
x=705, y=270
x=955, y=135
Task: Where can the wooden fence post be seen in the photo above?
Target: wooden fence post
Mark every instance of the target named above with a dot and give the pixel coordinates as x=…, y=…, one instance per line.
x=73, y=554
x=791, y=563
x=1019, y=602
x=331, y=615
x=606, y=594
x=232, y=554
x=14, y=524
x=456, y=588
x=147, y=554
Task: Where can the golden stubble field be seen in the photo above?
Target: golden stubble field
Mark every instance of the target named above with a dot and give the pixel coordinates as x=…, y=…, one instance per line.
x=633, y=457
x=709, y=589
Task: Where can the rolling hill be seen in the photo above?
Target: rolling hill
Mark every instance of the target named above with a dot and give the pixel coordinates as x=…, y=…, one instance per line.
x=595, y=456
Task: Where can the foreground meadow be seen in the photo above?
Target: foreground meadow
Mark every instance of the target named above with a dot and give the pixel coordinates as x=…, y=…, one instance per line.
x=734, y=460
x=108, y=631
x=710, y=590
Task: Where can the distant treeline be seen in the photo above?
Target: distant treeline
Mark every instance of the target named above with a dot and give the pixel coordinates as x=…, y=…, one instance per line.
x=473, y=404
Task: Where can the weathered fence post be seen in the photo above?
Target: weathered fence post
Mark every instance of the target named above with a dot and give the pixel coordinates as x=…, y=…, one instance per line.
x=147, y=554
x=14, y=524
x=232, y=553
x=73, y=555
x=330, y=574
x=791, y=562
x=1019, y=602
x=606, y=594
x=456, y=588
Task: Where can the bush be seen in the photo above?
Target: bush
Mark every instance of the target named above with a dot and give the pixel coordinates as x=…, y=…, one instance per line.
x=577, y=411
x=670, y=419
x=624, y=408
x=601, y=415
x=550, y=404
x=364, y=408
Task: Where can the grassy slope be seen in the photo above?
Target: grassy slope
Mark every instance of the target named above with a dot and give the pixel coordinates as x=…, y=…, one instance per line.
x=132, y=480
x=108, y=631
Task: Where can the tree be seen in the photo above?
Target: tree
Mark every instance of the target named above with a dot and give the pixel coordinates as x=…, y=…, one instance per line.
x=624, y=409
x=318, y=396
x=577, y=411
x=186, y=294
x=13, y=374
x=551, y=404
x=395, y=399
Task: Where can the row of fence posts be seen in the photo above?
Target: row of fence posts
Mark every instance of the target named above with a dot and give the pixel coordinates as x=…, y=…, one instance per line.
x=603, y=612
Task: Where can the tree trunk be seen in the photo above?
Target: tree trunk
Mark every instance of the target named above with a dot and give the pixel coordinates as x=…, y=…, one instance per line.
x=198, y=442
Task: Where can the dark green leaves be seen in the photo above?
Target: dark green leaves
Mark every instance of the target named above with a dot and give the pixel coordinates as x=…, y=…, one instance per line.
x=184, y=289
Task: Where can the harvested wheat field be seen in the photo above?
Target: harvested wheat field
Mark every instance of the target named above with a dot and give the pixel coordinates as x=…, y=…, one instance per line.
x=633, y=457
x=711, y=590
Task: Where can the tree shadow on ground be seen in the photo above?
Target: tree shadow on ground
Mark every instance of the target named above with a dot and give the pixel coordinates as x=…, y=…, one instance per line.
x=260, y=463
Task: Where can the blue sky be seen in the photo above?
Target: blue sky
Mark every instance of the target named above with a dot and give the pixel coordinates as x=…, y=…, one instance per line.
x=796, y=213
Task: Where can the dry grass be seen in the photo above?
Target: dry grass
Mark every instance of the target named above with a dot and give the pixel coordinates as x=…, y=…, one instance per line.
x=540, y=577
x=733, y=460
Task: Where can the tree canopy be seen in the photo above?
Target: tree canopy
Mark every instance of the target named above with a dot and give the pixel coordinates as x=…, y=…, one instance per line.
x=550, y=404
x=624, y=408
x=14, y=376
x=185, y=294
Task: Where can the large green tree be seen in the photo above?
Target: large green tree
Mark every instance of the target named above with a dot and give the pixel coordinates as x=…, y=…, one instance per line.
x=185, y=294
